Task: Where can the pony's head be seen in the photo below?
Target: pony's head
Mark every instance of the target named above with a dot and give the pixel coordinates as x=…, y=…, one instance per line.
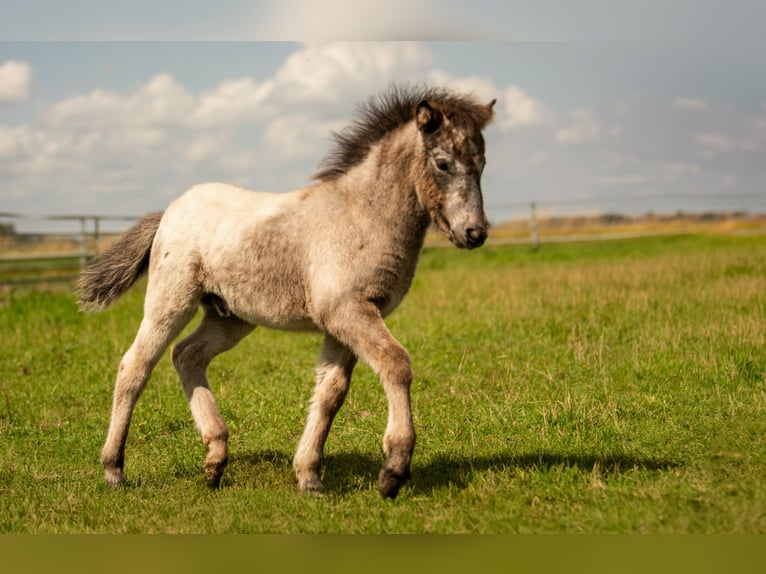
x=449, y=160
x=453, y=154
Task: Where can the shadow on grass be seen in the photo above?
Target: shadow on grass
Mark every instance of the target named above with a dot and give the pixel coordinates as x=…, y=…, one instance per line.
x=445, y=470
x=348, y=472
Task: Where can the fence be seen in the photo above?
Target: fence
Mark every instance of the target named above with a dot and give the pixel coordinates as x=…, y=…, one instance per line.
x=55, y=248
x=52, y=248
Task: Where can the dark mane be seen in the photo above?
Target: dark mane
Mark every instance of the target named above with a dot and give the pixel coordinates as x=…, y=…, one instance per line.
x=386, y=112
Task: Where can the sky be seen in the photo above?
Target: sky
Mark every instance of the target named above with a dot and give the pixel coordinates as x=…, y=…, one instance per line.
x=602, y=106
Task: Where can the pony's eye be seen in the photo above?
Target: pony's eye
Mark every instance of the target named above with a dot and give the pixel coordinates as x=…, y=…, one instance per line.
x=442, y=165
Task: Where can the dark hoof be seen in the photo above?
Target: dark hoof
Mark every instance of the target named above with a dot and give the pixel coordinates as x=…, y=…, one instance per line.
x=213, y=474
x=389, y=482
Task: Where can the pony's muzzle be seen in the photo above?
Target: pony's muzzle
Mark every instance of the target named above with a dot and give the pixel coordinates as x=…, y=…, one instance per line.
x=469, y=237
x=475, y=237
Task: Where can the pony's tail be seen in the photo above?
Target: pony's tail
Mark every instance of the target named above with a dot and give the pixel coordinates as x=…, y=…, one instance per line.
x=114, y=272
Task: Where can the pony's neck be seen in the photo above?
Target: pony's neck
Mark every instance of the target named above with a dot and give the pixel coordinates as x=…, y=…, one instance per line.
x=390, y=179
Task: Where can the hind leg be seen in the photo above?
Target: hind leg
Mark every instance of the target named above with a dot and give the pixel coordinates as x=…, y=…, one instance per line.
x=336, y=363
x=158, y=329
x=217, y=332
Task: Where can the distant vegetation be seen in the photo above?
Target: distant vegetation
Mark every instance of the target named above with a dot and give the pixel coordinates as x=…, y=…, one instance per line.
x=616, y=222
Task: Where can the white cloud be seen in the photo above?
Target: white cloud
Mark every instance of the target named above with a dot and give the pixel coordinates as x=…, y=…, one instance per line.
x=159, y=102
x=294, y=136
x=232, y=101
x=482, y=86
x=321, y=74
x=683, y=103
x=337, y=72
x=583, y=128
x=712, y=144
x=135, y=149
x=15, y=82
x=515, y=108
x=520, y=109
x=243, y=130
x=12, y=141
x=314, y=75
x=202, y=149
x=162, y=101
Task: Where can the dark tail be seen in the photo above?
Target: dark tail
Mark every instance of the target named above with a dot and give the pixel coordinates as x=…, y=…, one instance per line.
x=116, y=270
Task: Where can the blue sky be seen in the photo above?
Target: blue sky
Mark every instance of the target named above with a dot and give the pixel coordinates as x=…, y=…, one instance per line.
x=602, y=106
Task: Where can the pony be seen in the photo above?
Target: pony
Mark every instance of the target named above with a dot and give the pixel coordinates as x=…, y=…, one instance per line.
x=336, y=256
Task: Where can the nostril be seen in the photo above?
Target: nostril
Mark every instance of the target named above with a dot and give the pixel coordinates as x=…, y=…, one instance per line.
x=476, y=235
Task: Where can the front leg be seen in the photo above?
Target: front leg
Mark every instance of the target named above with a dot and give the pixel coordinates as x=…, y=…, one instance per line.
x=360, y=326
x=399, y=438
x=333, y=376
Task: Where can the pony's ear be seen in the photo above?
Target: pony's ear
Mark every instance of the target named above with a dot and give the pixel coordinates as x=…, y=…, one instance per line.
x=488, y=114
x=427, y=118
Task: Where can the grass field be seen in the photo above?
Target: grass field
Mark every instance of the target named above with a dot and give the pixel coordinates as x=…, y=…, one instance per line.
x=603, y=387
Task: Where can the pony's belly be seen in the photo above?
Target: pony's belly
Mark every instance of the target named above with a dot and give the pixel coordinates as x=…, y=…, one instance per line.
x=282, y=319
x=282, y=324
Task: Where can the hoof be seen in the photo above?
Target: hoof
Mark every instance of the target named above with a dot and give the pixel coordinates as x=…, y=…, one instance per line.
x=114, y=478
x=389, y=482
x=312, y=485
x=213, y=475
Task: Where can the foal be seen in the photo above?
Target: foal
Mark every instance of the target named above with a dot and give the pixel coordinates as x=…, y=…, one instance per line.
x=337, y=257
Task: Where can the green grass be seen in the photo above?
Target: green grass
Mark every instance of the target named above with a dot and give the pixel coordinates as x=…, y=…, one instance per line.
x=603, y=387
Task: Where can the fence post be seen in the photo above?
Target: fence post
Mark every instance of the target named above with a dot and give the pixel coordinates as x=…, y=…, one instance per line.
x=96, y=233
x=83, y=242
x=533, y=226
